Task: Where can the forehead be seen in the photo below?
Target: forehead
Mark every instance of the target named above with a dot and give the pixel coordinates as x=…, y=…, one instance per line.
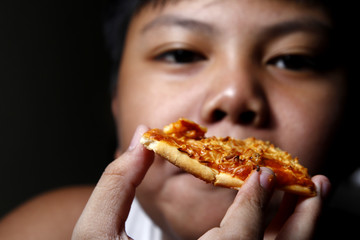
x=162, y=3
x=212, y=11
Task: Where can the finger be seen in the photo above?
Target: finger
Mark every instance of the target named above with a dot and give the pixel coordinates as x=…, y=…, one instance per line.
x=110, y=202
x=286, y=208
x=244, y=218
x=123, y=236
x=302, y=223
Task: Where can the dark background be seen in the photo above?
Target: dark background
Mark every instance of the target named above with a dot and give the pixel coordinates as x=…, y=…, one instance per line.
x=55, y=123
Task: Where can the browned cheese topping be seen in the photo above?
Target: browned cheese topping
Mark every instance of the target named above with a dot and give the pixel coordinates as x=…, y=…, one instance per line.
x=232, y=156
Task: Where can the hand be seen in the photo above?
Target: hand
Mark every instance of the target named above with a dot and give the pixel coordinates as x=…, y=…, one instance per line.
x=296, y=218
x=108, y=207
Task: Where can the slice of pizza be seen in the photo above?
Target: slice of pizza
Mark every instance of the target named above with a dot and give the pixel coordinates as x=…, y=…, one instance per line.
x=226, y=161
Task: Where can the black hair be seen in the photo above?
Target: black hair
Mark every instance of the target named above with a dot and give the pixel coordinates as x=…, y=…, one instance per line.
x=117, y=17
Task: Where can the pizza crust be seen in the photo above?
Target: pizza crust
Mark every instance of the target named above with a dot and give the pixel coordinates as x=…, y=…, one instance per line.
x=299, y=190
x=180, y=159
x=183, y=161
x=226, y=180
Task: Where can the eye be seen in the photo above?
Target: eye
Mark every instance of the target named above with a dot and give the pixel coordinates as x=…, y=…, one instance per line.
x=294, y=62
x=180, y=56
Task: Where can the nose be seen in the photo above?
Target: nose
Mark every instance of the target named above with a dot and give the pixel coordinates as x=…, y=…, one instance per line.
x=236, y=95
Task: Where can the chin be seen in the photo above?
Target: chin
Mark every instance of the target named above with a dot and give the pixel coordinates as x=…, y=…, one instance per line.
x=193, y=191
x=184, y=206
x=191, y=207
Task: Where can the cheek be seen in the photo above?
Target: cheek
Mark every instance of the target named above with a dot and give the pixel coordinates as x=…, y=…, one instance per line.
x=306, y=121
x=154, y=103
x=136, y=105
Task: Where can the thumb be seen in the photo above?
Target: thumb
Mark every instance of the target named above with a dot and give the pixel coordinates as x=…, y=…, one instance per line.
x=244, y=218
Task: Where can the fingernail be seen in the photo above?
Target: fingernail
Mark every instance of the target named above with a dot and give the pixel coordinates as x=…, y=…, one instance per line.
x=267, y=178
x=325, y=189
x=140, y=130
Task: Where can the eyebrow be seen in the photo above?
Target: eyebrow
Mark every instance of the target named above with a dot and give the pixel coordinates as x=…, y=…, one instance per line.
x=187, y=23
x=296, y=25
x=306, y=24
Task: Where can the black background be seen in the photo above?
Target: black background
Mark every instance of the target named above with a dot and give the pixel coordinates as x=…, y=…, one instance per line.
x=55, y=123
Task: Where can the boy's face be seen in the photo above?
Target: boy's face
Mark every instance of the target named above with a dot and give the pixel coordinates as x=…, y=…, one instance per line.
x=242, y=68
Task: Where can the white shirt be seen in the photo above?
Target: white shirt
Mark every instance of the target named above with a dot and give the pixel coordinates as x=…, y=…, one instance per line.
x=139, y=226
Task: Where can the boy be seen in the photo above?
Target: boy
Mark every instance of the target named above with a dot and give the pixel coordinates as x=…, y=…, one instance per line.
x=242, y=68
